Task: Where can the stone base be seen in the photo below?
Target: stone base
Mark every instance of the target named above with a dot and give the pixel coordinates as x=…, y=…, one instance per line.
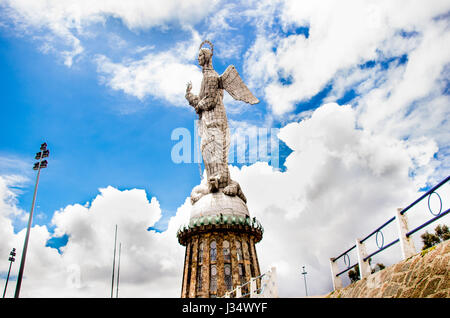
x=210, y=255
x=220, y=246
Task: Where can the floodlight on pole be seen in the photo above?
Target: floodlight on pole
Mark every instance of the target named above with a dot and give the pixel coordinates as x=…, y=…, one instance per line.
x=44, y=153
x=304, y=276
x=11, y=259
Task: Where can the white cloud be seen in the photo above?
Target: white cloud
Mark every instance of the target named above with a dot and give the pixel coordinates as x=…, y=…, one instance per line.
x=68, y=20
x=341, y=35
x=9, y=197
x=15, y=165
x=419, y=81
x=404, y=100
x=162, y=75
x=151, y=263
x=340, y=183
x=350, y=167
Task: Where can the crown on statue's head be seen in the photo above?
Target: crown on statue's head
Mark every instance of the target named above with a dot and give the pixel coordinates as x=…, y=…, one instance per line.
x=210, y=45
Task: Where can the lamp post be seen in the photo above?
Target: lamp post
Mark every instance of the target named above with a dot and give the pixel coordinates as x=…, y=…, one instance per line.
x=11, y=260
x=118, y=272
x=114, y=263
x=37, y=166
x=304, y=276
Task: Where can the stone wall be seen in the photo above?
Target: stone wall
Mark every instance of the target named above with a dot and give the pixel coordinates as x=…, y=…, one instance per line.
x=248, y=259
x=427, y=274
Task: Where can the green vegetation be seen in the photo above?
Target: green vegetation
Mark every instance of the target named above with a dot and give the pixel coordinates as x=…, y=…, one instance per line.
x=354, y=273
x=441, y=234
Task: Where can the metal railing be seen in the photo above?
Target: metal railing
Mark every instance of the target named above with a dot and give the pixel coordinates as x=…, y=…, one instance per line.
x=404, y=237
x=252, y=287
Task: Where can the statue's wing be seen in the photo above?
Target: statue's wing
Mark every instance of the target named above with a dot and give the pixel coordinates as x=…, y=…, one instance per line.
x=233, y=84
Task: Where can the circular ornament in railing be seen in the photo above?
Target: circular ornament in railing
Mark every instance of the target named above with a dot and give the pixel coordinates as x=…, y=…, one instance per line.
x=440, y=204
x=382, y=239
x=347, y=260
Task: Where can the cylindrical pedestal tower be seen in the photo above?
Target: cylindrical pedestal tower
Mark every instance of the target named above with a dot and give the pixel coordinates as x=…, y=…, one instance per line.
x=220, y=246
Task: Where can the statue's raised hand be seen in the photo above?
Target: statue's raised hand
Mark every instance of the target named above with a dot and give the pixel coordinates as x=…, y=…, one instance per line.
x=188, y=88
x=191, y=98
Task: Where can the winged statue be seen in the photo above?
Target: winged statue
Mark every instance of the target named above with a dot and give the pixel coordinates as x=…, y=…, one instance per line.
x=213, y=123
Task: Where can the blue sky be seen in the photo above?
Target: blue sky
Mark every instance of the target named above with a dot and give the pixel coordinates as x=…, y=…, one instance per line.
x=91, y=144
x=358, y=91
x=97, y=136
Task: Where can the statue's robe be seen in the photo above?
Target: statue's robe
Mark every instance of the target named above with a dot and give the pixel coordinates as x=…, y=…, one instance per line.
x=213, y=128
